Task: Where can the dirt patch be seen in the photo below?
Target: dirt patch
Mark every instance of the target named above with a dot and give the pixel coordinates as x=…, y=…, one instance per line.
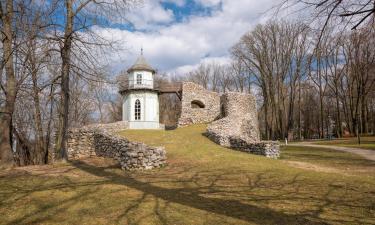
x=48, y=170
x=100, y=162
x=367, y=154
x=351, y=171
x=59, y=169
x=314, y=167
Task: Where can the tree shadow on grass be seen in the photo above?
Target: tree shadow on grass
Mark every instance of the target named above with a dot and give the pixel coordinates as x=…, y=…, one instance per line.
x=192, y=197
x=211, y=191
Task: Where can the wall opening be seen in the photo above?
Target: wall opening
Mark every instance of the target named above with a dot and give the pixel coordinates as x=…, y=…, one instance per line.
x=170, y=110
x=197, y=104
x=137, y=110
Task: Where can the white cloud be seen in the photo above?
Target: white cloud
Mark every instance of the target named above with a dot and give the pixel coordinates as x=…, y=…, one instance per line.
x=180, y=47
x=187, y=68
x=149, y=14
x=208, y=3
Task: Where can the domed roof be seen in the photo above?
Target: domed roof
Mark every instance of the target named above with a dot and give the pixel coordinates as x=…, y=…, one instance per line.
x=141, y=64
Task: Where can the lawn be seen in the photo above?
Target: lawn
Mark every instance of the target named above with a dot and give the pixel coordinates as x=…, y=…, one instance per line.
x=326, y=160
x=202, y=184
x=367, y=142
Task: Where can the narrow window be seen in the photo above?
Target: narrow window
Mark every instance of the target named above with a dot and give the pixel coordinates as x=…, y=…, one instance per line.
x=139, y=78
x=137, y=110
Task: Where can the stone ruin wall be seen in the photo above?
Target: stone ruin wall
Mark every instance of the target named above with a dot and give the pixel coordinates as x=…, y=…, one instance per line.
x=269, y=149
x=239, y=119
x=232, y=117
x=238, y=128
x=102, y=140
x=211, y=101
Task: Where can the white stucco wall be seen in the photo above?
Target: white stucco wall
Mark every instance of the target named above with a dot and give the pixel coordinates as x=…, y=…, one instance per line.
x=149, y=102
x=149, y=109
x=147, y=78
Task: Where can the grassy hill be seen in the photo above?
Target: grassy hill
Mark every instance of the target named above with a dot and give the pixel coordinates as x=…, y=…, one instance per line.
x=203, y=184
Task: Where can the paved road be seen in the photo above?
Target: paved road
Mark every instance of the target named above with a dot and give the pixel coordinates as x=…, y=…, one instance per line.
x=368, y=154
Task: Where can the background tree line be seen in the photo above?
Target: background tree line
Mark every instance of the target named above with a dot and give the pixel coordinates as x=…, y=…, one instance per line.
x=308, y=84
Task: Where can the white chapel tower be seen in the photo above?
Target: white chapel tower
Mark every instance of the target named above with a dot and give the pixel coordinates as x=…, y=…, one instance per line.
x=140, y=106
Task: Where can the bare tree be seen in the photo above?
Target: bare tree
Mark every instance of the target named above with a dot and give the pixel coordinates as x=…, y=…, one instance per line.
x=79, y=15
x=275, y=54
x=327, y=13
x=201, y=75
x=9, y=89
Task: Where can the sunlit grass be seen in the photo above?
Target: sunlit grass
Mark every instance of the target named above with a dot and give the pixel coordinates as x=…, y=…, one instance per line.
x=202, y=184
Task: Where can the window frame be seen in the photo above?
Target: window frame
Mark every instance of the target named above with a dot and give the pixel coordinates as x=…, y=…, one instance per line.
x=137, y=110
x=139, y=78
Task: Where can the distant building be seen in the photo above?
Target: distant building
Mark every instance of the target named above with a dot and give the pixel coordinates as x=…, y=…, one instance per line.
x=140, y=106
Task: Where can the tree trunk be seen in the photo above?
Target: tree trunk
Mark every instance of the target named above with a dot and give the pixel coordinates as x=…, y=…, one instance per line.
x=6, y=112
x=363, y=115
x=61, y=151
x=48, y=135
x=39, y=145
x=299, y=109
x=266, y=124
x=321, y=115
x=338, y=114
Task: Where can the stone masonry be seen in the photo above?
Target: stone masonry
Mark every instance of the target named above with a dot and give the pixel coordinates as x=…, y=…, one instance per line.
x=238, y=127
x=270, y=149
x=103, y=140
x=239, y=119
x=209, y=102
x=233, y=118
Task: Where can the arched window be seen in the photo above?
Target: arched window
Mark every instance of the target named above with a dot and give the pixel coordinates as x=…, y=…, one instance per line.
x=197, y=104
x=139, y=78
x=137, y=110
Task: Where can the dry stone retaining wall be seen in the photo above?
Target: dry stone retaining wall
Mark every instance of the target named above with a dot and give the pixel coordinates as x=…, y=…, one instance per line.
x=111, y=127
x=80, y=143
x=270, y=149
x=192, y=92
x=131, y=155
x=102, y=140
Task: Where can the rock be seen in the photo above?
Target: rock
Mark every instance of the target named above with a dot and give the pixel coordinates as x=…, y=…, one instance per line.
x=103, y=140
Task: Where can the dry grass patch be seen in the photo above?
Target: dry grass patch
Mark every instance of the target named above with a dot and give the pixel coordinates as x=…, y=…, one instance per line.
x=326, y=160
x=202, y=184
x=367, y=142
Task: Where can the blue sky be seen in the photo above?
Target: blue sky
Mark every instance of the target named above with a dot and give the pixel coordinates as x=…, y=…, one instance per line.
x=190, y=8
x=177, y=35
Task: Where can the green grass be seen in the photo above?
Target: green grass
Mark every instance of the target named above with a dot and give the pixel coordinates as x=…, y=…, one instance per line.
x=203, y=184
x=367, y=142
